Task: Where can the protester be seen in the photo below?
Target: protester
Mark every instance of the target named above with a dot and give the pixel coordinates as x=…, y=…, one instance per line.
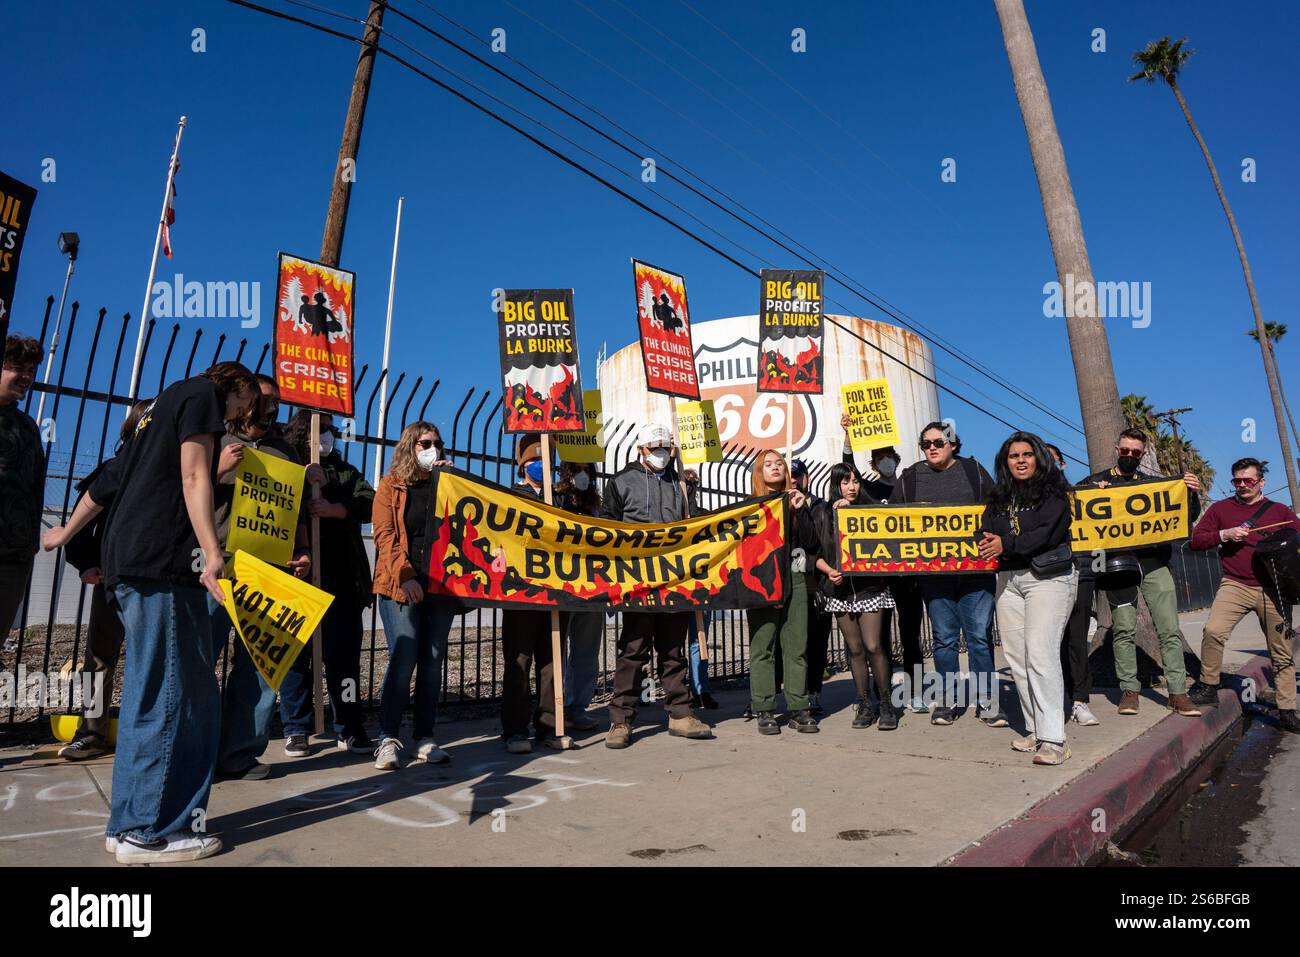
x=1074, y=644
x=786, y=625
x=876, y=489
x=819, y=620
x=416, y=624
x=22, y=478
x=345, y=504
x=1234, y=526
x=646, y=492
x=247, y=699
x=80, y=538
x=526, y=635
x=858, y=604
x=697, y=665
x=1157, y=590
x=1026, y=527
x=585, y=634
x=956, y=604
x=162, y=558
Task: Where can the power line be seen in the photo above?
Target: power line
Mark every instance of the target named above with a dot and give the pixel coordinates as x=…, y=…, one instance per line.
x=604, y=182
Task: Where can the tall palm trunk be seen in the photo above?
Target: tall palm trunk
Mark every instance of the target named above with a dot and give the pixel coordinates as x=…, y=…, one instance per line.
x=1089, y=347
x=1270, y=368
x=1281, y=391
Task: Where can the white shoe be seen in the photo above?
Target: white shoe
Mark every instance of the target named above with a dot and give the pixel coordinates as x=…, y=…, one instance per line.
x=918, y=705
x=110, y=844
x=1083, y=714
x=175, y=848
x=1024, y=743
x=427, y=750
x=386, y=755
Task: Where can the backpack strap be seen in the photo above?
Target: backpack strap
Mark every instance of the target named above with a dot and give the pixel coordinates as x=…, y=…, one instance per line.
x=972, y=470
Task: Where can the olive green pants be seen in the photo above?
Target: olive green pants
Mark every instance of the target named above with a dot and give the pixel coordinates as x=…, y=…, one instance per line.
x=786, y=625
x=1162, y=601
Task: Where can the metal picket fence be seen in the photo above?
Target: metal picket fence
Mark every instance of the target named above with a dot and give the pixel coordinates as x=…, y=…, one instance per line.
x=52, y=626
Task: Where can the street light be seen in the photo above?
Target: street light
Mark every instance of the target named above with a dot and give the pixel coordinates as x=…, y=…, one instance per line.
x=69, y=243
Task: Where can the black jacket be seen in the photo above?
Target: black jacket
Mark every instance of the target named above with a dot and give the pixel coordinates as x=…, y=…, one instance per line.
x=826, y=528
x=1040, y=530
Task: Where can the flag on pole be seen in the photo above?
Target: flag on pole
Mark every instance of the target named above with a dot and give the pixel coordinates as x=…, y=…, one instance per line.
x=170, y=216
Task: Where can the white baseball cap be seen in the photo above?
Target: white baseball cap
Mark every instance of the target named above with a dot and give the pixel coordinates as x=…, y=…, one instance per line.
x=655, y=435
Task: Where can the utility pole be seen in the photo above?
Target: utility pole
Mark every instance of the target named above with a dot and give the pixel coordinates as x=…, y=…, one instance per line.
x=1172, y=415
x=331, y=247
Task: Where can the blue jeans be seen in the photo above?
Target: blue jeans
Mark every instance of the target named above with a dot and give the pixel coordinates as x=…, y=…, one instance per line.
x=169, y=724
x=340, y=635
x=417, y=643
x=585, y=636
x=697, y=668
x=956, y=604
x=247, y=702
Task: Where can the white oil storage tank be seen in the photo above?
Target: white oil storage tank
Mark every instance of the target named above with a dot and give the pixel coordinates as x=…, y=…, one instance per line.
x=726, y=361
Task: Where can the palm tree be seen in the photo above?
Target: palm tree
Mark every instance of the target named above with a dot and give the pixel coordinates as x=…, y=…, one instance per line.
x=1089, y=347
x=1275, y=331
x=1164, y=59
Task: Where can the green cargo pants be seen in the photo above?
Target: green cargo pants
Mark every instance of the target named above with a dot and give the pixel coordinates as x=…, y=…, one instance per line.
x=1158, y=591
x=789, y=623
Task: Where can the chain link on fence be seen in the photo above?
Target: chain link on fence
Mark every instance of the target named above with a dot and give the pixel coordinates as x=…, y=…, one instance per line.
x=52, y=626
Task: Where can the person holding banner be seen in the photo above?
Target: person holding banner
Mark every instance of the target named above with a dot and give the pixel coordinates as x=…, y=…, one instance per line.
x=647, y=492
x=160, y=522
x=345, y=504
x=858, y=604
x=585, y=635
x=955, y=603
x=248, y=701
x=785, y=626
x=22, y=478
x=416, y=624
x=1157, y=588
x=1074, y=644
x=526, y=636
x=1026, y=527
x=1233, y=525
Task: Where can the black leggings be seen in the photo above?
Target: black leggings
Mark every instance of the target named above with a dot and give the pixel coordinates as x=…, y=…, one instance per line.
x=861, y=631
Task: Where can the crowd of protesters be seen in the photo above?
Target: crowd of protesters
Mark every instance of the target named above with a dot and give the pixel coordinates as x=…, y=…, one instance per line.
x=149, y=528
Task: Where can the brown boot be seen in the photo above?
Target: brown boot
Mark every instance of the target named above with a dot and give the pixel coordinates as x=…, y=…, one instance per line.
x=1128, y=702
x=1181, y=704
x=689, y=727
x=619, y=736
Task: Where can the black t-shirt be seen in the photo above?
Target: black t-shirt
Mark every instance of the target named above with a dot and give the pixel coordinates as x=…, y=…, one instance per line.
x=148, y=533
x=419, y=498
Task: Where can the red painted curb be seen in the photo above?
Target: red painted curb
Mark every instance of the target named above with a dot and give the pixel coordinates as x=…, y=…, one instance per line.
x=1059, y=830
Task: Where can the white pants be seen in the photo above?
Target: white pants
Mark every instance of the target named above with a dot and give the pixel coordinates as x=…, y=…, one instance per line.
x=1032, y=613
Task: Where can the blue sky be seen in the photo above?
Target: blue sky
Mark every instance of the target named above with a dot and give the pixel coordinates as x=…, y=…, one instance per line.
x=840, y=146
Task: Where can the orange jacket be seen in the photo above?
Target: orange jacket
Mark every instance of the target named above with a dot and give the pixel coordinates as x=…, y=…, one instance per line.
x=388, y=526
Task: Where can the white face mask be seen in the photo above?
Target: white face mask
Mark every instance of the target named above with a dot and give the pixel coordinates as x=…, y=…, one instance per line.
x=426, y=457
x=582, y=481
x=887, y=467
x=326, y=443
x=658, y=459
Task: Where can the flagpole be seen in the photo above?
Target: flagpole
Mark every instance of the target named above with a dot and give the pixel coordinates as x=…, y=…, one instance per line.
x=153, y=264
x=388, y=332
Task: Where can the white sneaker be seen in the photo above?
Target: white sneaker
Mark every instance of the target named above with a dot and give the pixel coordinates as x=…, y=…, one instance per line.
x=1083, y=714
x=427, y=750
x=175, y=848
x=386, y=755
x=110, y=844
x=1026, y=743
x=918, y=705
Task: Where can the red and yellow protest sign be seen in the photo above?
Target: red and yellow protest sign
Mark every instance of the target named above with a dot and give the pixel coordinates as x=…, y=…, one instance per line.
x=907, y=539
x=492, y=546
x=274, y=613
x=664, y=323
x=589, y=444
x=313, y=335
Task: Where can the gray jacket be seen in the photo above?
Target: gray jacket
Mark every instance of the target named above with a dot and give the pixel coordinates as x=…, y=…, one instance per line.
x=636, y=494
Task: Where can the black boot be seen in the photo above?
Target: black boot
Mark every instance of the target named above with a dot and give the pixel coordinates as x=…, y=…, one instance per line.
x=767, y=723
x=1203, y=695
x=803, y=721
x=1287, y=721
x=866, y=712
x=888, y=716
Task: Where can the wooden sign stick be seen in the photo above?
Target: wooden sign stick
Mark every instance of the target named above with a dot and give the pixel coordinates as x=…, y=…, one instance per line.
x=557, y=640
x=317, y=661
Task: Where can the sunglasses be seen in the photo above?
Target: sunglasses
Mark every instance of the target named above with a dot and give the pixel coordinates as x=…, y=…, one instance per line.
x=429, y=444
x=933, y=443
x=1245, y=482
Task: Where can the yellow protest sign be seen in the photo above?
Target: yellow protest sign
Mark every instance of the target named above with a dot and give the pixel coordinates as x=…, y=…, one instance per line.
x=589, y=446
x=1130, y=515
x=264, y=513
x=274, y=613
x=907, y=539
x=697, y=432
x=874, y=422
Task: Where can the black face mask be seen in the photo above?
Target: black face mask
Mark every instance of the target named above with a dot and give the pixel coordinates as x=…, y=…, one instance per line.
x=1128, y=463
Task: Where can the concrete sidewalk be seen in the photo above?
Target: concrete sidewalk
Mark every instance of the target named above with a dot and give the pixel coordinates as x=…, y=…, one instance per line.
x=915, y=796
